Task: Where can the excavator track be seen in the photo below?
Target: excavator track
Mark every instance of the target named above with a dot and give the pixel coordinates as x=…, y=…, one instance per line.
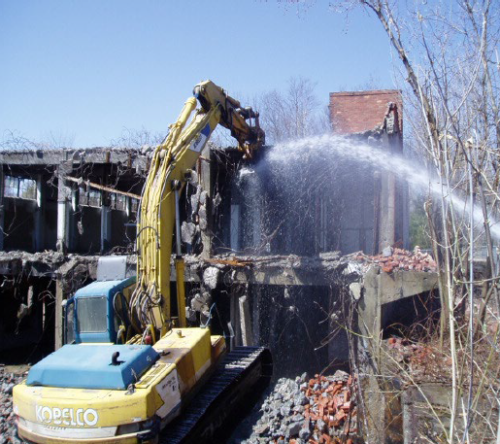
x=239, y=380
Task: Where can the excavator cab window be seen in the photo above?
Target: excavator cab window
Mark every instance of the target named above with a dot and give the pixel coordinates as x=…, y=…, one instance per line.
x=92, y=314
x=69, y=322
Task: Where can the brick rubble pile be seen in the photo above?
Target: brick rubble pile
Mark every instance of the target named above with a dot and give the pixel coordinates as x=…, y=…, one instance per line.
x=393, y=259
x=321, y=410
x=7, y=425
x=331, y=407
x=424, y=362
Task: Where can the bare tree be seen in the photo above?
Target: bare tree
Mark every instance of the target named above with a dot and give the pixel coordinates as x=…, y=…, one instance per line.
x=133, y=138
x=12, y=140
x=292, y=114
x=450, y=71
x=448, y=54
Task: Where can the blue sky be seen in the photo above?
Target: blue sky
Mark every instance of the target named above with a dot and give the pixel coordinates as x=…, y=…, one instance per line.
x=84, y=71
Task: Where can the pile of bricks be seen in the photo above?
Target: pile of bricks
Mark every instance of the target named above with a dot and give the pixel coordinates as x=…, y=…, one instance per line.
x=321, y=410
x=399, y=259
x=331, y=409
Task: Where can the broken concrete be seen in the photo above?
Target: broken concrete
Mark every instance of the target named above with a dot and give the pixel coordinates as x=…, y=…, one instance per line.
x=8, y=379
x=303, y=410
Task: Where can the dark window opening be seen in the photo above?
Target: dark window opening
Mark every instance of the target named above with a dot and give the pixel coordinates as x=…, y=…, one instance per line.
x=90, y=198
x=134, y=205
x=118, y=202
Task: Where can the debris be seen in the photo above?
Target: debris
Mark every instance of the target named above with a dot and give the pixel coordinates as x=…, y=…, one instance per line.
x=231, y=262
x=202, y=215
x=356, y=290
x=8, y=433
x=217, y=200
x=398, y=259
x=425, y=362
x=188, y=232
x=211, y=277
x=319, y=410
x=387, y=251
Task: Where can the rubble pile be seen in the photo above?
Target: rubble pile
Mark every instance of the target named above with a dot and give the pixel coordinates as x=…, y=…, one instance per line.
x=332, y=407
x=393, y=259
x=7, y=425
x=321, y=410
x=424, y=362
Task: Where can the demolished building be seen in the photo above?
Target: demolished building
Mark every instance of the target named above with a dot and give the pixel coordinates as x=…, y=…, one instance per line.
x=272, y=260
x=57, y=216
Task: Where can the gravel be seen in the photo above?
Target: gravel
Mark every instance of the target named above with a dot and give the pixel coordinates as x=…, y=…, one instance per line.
x=7, y=425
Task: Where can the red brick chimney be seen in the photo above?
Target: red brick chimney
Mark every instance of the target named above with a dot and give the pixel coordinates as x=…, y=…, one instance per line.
x=354, y=112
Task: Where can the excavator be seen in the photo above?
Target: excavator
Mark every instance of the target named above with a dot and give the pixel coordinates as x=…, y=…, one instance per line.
x=132, y=370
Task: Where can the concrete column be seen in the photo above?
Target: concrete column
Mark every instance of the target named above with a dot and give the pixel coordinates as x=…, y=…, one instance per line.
x=370, y=311
x=234, y=228
x=59, y=315
x=376, y=213
x=233, y=319
x=405, y=198
x=105, y=227
x=63, y=195
x=245, y=321
x=249, y=190
x=370, y=326
x=2, y=210
x=206, y=184
x=255, y=295
x=39, y=214
x=387, y=212
x=387, y=208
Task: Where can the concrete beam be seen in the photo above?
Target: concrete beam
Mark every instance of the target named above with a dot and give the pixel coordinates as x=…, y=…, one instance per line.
x=130, y=157
x=280, y=277
x=404, y=284
x=266, y=275
x=47, y=264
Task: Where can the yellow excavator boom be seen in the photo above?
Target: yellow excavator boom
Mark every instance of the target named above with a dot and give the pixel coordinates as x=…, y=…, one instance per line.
x=150, y=305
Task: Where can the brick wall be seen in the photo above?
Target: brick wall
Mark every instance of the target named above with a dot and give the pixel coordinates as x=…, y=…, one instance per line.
x=353, y=112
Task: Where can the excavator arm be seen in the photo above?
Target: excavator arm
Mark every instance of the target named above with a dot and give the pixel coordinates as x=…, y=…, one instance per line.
x=150, y=305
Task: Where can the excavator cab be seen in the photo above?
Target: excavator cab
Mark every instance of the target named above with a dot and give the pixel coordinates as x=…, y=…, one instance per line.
x=98, y=312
